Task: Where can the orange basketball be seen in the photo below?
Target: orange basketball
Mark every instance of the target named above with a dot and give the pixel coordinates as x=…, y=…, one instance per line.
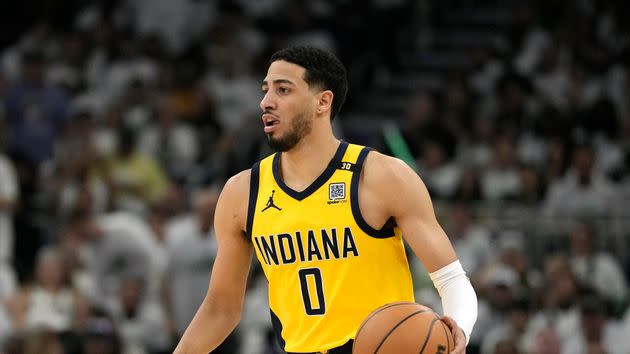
x=403, y=328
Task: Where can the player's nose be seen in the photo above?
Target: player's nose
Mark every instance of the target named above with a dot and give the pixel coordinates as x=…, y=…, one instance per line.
x=267, y=102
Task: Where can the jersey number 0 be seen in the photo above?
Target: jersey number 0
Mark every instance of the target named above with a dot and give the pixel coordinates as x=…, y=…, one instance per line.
x=319, y=306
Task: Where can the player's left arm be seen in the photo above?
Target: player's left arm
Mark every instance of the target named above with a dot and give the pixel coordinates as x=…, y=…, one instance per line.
x=404, y=196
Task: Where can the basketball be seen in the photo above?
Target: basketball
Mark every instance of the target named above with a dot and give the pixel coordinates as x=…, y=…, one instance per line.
x=401, y=328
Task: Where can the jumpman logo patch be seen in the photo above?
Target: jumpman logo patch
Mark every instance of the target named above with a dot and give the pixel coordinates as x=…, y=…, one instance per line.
x=270, y=203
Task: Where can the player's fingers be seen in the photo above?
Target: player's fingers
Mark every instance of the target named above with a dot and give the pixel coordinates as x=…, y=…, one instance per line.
x=460, y=342
x=458, y=335
x=452, y=325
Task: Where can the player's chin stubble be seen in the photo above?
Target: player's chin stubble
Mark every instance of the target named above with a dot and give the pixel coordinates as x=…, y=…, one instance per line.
x=300, y=127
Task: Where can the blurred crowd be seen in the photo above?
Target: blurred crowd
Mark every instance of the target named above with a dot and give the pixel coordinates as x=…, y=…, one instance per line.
x=120, y=120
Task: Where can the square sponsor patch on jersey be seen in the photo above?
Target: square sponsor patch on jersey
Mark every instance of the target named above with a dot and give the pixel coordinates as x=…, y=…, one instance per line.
x=337, y=191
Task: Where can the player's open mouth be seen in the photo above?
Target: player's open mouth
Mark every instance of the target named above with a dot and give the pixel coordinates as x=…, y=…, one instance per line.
x=270, y=122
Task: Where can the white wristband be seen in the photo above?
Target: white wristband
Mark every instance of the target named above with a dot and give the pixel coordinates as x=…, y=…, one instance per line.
x=459, y=300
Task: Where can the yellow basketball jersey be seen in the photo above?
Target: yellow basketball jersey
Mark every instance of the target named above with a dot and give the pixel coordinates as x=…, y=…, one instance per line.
x=327, y=268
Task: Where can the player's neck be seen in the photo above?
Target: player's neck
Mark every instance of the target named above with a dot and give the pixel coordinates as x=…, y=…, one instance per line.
x=308, y=159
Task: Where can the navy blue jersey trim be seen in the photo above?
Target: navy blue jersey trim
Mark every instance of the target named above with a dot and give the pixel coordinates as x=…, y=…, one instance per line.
x=344, y=349
x=277, y=328
x=325, y=176
x=253, y=197
x=386, y=231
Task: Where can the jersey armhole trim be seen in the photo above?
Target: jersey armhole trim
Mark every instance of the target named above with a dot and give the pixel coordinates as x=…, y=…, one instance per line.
x=253, y=197
x=385, y=232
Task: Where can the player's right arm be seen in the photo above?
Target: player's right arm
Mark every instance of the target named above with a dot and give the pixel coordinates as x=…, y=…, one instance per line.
x=221, y=309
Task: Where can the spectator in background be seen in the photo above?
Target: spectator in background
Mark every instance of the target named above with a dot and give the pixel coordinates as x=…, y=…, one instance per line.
x=546, y=342
x=515, y=110
x=440, y=173
x=486, y=71
x=597, y=270
x=171, y=142
x=470, y=238
x=140, y=321
x=499, y=289
x=50, y=303
x=115, y=246
x=43, y=341
x=597, y=333
x=8, y=202
x=234, y=89
x=558, y=318
x=532, y=186
x=475, y=150
x=135, y=180
x=505, y=347
x=36, y=110
x=422, y=123
x=68, y=179
x=234, y=28
x=512, y=252
x=500, y=180
x=582, y=192
x=557, y=162
x=192, y=248
x=457, y=105
x=100, y=335
x=551, y=77
x=469, y=187
x=66, y=70
x=8, y=287
x=511, y=330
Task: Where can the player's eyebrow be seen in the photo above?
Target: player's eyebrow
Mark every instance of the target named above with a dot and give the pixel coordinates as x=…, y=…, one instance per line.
x=278, y=81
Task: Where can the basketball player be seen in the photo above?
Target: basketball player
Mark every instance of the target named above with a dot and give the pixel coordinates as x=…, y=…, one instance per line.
x=326, y=220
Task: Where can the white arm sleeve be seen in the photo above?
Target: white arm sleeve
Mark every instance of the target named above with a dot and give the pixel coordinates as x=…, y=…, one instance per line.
x=459, y=300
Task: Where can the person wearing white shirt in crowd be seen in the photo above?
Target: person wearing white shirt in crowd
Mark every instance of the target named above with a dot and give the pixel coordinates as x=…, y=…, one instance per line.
x=8, y=287
x=596, y=333
x=50, y=302
x=558, y=320
x=8, y=199
x=169, y=140
x=115, y=246
x=598, y=270
x=511, y=329
x=583, y=191
x=191, y=248
x=140, y=321
x=501, y=179
x=470, y=238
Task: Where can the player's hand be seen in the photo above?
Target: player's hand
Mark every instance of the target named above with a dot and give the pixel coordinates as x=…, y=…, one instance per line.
x=458, y=335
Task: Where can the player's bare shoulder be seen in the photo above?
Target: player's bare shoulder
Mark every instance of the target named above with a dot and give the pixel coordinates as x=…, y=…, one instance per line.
x=382, y=170
x=235, y=198
x=382, y=185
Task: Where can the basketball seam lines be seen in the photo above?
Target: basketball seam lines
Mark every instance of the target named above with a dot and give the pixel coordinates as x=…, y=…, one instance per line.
x=448, y=342
x=426, y=340
x=396, y=326
x=375, y=313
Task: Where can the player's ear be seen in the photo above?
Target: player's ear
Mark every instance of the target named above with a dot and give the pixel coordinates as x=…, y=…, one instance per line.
x=324, y=101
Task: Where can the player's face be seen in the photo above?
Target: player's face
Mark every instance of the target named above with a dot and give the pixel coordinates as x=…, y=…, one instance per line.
x=288, y=105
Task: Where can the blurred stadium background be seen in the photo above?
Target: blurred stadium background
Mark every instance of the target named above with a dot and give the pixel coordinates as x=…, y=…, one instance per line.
x=120, y=120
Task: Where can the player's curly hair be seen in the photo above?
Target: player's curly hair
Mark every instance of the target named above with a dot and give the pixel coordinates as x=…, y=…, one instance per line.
x=323, y=69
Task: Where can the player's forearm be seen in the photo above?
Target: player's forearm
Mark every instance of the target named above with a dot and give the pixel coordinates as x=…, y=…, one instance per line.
x=459, y=300
x=208, y=329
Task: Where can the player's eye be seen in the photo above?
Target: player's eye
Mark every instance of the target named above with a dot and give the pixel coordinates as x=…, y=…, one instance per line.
x=283, y=90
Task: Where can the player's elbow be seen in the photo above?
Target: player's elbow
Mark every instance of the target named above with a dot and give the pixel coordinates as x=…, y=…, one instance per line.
x=226, y=310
